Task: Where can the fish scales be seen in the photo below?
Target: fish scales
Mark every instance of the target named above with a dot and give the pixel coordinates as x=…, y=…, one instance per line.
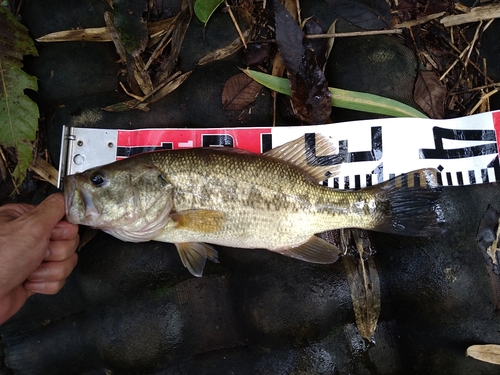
x=266, y=203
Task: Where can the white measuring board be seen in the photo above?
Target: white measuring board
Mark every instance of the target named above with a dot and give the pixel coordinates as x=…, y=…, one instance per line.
x=463, y=150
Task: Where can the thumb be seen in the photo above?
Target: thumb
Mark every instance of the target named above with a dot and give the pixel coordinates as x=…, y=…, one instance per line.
x=47, y=214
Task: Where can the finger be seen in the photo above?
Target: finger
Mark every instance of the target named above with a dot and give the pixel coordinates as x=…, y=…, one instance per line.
x=64, y=231
x=44, y=287
x=60, y=250
x=54, y=271
x=44, y=217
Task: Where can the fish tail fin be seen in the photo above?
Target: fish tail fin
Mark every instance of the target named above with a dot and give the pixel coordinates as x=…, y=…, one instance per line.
x=410, y=205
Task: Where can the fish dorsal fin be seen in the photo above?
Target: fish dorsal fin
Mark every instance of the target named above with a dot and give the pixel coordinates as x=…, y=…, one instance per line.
x=314, y=250
x=206, y=221
x=194, y=255
x=313, y=153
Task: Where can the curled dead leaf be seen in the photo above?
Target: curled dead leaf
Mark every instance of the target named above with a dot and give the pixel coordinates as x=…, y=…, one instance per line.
x=429, y=93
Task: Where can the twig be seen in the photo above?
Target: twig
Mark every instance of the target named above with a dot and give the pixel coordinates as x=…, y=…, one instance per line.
x=354, y=33
x=408, y=24
x=10, y=172
x=481, y=13
x=496, y=84
x=136, y=97
x=483, y=98
x=236, y=25
x=299, y=18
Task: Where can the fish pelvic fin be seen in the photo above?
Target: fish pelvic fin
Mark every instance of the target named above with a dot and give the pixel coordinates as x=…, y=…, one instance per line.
x=206, y=221
x=194, y=255
x=411, y=210
x=315, y=154
x=314, y=250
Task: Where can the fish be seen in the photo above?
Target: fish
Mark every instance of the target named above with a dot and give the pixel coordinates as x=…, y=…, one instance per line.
x=200, y=197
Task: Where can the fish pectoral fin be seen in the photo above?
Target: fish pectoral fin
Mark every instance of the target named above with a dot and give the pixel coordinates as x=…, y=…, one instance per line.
x=206, y=221
x=194, y=254
x=314, y=250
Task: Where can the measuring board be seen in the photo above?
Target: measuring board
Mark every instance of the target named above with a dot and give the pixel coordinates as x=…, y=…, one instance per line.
x=464, y=151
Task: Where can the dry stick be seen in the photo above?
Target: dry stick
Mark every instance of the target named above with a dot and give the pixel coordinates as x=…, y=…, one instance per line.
x=474, y=40
x=467, y=49
x=8, y=169
x=496, y=84
x=355, y=33
x=236, y=25
x=461, y=53
x=483, y=98
x=299, y=18
x=409, y=24
x=455, y=62
x=136, y=97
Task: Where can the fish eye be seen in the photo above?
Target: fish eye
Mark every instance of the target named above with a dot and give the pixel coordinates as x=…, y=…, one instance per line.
x=97, y=179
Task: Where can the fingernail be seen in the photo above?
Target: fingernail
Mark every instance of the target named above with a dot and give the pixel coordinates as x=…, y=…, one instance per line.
x=59, y=232
x=39, y=274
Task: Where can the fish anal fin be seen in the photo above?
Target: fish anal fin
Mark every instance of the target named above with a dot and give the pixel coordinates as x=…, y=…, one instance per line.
x=314, y=250
x=315, y=154
x=205, y=221
x=194, y=255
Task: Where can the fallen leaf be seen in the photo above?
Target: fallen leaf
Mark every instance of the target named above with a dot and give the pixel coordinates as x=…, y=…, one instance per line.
x=429, y=93
x=45, y=170
x=224, y=52
x=239, y=91
x=159, y=92
x=487, y=353
x=181, y=25
x=311, y=99
x=18, y=113
x=137, y=76
x=363, y=281
x=367, y=14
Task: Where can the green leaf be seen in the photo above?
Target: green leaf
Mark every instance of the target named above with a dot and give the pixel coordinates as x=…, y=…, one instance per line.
x=18, y=114
x=205, y=8
x=358, y=101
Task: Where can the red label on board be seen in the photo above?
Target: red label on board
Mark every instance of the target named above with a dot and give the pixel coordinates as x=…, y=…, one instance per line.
x=250, y=139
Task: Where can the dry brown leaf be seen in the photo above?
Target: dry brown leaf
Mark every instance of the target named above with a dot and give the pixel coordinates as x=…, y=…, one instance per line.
x=224, y=52
x=487, y=353
x=158, y=93
x=45, y=170
x=429, y=93
x=101, y=34
x=363, y=281
x=239, y=91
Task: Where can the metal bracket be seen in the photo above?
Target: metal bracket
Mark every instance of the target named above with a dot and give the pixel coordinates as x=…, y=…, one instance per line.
x=84, y=148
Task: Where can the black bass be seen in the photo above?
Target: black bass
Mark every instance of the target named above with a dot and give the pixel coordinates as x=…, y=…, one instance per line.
x=239, y=199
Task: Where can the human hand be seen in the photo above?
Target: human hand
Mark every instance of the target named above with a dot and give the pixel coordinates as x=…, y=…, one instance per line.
x=37, y=251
